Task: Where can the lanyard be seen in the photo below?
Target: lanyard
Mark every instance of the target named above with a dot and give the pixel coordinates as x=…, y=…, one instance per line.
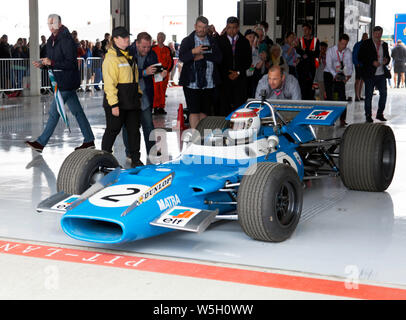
x=338, y=57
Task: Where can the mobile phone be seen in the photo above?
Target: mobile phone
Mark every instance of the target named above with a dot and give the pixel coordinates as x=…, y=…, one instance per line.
x=208, y=49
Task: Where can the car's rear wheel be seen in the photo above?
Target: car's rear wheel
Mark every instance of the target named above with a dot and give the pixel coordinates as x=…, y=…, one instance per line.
x=208, y=124
x=83, y=168
x=270, y=201
x=367, y=157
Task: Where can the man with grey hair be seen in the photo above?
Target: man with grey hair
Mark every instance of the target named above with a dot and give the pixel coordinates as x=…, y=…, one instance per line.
x=61, y=59
x=200, y=76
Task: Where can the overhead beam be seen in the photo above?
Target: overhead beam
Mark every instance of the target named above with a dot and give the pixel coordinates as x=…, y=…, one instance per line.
x=120, y=13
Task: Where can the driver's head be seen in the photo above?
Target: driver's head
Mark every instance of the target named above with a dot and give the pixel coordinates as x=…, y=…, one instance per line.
x=276, y=77
x=244, y=123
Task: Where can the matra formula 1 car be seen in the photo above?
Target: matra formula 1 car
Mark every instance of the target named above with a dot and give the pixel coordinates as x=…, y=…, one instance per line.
x=250, y=167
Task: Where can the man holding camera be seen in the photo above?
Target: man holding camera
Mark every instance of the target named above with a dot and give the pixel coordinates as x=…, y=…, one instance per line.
x=337, y=72
x=146, y=60
x=200, y=55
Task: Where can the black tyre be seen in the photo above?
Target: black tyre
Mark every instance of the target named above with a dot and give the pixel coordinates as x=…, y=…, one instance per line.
x=367, y=157
x=269, y=202
x=82, y=168
x=212, y=123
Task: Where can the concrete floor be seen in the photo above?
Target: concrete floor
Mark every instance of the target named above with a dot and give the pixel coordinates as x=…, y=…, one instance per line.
x=343, y=236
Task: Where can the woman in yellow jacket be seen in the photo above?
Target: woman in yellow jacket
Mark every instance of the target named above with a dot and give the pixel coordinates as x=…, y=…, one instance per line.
x=122, y=94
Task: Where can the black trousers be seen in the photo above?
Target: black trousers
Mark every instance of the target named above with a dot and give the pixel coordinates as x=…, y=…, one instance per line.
x=335, y=91
x=129, y=118
x=305, y=75
x=233, y=94
x=200, y=100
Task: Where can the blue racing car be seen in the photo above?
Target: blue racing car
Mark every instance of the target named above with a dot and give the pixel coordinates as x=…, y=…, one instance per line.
x=250, y=167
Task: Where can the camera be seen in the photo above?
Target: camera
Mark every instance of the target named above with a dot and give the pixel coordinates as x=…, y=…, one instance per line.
x=341, y=77
x=159, y=68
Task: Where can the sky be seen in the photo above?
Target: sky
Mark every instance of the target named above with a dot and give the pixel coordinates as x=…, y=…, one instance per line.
x=385, y=13
x=91, y=18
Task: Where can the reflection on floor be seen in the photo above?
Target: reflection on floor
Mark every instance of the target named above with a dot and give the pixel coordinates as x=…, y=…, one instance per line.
x=341, y=232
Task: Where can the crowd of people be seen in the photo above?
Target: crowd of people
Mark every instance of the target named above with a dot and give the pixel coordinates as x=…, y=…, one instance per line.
x=219, y=72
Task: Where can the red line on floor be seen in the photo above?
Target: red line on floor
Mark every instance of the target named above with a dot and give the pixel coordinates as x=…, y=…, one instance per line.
x=202, y=271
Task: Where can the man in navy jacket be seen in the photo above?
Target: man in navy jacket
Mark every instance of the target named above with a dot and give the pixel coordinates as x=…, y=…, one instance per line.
x=62, y=60
x=200, y=75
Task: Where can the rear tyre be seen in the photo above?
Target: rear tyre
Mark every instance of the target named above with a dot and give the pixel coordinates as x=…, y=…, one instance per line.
x=82, y=168
x=269, y=202
x=367, y=157
x=211, y=123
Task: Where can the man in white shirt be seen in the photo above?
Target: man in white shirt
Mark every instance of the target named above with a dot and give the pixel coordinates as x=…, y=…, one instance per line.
x=337, y=72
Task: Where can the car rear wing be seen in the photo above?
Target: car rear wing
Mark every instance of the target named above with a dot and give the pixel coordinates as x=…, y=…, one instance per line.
x=323, y=113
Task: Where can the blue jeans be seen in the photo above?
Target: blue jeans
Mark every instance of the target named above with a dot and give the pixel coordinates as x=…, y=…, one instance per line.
x=380, y=83
x=71, y=100
x=147, y=127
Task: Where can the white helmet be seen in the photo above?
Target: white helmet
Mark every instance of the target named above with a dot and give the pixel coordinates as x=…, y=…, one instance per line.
x=244, y=124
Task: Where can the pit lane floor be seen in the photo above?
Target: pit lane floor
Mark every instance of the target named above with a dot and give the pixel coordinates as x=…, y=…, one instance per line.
x=353, y=241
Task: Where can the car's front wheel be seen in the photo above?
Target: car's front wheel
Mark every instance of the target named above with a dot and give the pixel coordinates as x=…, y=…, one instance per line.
x=83, y=168
x=270, y=201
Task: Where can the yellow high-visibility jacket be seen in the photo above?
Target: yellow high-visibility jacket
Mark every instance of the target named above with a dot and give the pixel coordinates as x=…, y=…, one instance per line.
x=120, y=76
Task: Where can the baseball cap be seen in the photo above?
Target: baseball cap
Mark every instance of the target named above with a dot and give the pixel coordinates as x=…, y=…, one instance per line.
x=120, y=32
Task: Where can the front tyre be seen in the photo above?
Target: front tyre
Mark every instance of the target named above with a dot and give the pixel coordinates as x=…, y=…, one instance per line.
x=269, y=202
x=83, y=168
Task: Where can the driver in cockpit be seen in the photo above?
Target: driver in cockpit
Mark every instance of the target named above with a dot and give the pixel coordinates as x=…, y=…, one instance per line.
x=277, y=85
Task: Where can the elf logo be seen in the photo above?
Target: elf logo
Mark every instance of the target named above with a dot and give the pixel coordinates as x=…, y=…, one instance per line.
x=182, y=214
x=319, y=115
x=178, y=216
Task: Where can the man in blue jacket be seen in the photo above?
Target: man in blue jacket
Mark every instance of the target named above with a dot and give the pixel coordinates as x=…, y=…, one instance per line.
x=62, y=60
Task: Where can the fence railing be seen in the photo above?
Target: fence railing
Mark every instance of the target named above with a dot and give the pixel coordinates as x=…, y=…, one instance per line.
x=15, y=74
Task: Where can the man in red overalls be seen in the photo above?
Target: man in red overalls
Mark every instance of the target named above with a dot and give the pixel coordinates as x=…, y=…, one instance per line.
x=165, y=58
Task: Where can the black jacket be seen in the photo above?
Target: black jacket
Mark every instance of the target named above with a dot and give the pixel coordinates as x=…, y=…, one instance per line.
x=61, y=50
x=367, y=55
x=5, y=51
x=242, y=59
x=186, y=56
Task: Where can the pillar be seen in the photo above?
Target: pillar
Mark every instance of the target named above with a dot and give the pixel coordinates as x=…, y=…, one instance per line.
x=120, y=13
x=35, y=74
x=271, y=6
x=194, y=9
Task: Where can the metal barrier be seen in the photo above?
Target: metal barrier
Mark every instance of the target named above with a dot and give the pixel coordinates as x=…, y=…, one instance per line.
x=15, y=73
